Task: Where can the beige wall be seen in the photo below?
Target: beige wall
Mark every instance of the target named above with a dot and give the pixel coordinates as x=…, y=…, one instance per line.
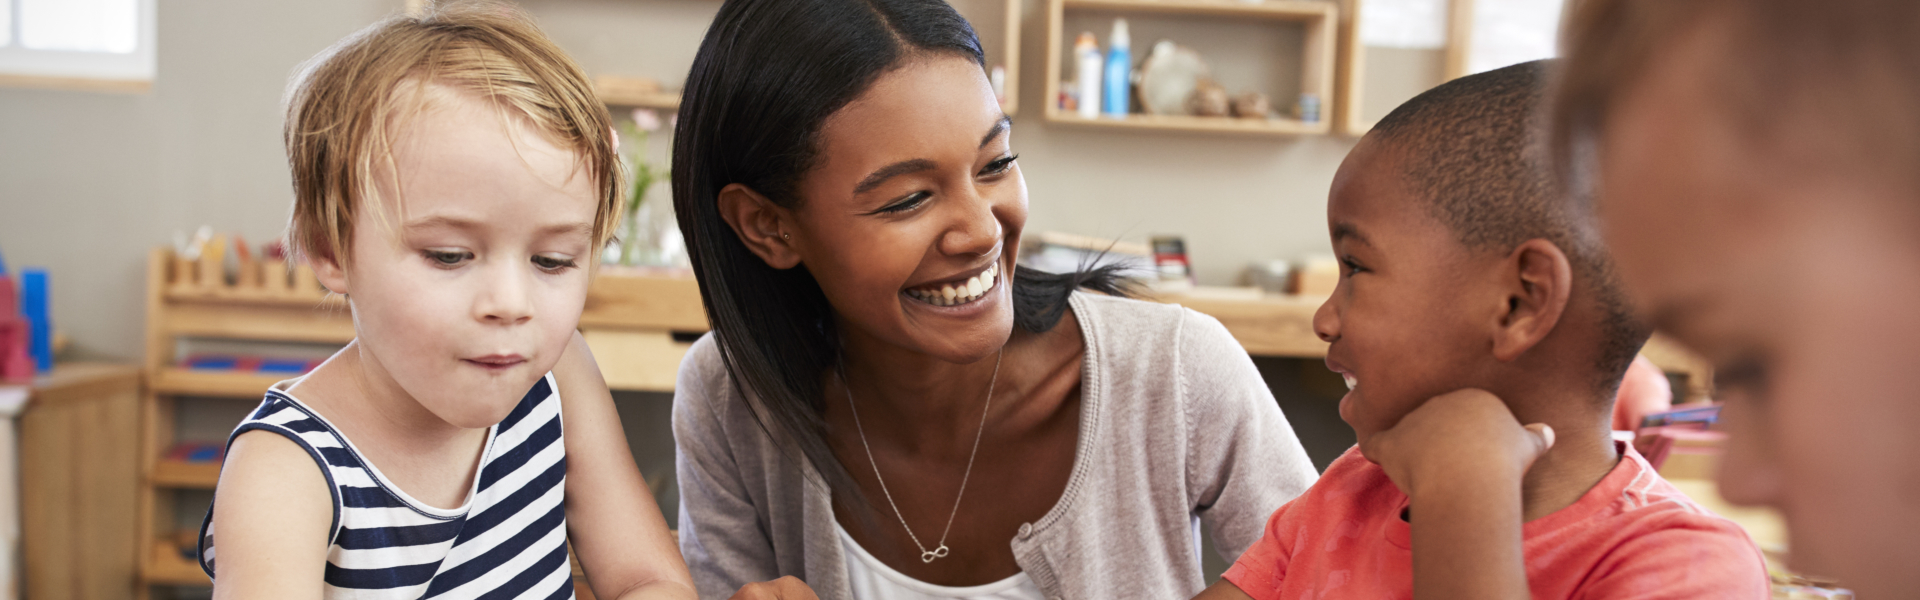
x=89, y=182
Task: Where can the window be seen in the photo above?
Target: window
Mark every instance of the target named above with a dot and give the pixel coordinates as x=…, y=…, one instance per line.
x=107, y=40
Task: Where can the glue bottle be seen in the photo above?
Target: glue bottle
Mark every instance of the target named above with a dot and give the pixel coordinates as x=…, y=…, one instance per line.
x=1118, y=77
x=1086, y=81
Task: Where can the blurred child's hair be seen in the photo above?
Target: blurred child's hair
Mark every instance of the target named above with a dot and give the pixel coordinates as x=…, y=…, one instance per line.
x=346, y=104
x=1474, y=150
x=1847, y=68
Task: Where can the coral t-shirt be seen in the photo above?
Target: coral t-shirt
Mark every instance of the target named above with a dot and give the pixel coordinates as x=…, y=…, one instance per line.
x=1632, y=536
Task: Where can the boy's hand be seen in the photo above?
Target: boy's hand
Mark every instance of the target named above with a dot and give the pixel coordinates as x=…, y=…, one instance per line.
x=784, y=588
x=1460, y=458
x=1467, y=435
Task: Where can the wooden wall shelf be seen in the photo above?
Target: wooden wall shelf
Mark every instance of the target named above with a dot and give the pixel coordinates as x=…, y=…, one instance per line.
x=1319, y=20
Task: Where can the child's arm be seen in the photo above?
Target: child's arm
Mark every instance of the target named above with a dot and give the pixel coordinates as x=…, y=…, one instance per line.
x=1460, y=458
x=272, y=513
x=615, y=527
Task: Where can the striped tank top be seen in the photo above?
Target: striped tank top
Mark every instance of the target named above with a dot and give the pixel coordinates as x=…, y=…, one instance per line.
x=509, y=541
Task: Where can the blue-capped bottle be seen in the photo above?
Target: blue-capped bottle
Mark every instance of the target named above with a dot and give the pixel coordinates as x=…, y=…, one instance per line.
x=1119, y=76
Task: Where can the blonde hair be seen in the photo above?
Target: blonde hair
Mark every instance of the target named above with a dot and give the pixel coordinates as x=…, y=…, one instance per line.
x=1849, y=67
x=344, y=104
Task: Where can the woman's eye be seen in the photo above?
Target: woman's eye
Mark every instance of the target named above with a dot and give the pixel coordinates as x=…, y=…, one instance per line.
x=910, y=202
x=999, y=166
x=552, y=264
x=447, y=258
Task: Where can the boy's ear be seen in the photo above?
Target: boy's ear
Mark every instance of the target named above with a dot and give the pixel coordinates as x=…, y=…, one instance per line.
x=328, y=270
x=766, y=228
x=1539, y=281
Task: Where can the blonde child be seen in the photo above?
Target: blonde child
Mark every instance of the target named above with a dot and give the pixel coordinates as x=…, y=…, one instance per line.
x=1755, y=162
x=454, y=178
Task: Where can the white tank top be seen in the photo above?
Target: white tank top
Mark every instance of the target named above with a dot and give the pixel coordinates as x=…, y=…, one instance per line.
x=871, y=579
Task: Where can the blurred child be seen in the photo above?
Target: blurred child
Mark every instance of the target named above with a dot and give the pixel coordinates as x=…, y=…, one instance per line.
x=1479, y=329
x=1756, y=168
x=454, y=179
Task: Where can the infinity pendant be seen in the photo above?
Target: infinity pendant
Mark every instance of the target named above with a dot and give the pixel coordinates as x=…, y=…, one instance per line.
x=927, y=556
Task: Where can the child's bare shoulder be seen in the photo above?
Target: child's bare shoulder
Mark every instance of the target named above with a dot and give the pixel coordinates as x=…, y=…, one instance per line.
x=265, y=471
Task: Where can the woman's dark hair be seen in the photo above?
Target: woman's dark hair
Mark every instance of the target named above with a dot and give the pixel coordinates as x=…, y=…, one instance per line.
x=766, y=78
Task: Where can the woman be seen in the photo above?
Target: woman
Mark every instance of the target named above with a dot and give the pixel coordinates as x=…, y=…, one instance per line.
x=887, y=407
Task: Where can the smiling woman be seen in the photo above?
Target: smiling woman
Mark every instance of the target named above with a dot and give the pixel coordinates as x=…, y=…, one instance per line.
x=888, y=407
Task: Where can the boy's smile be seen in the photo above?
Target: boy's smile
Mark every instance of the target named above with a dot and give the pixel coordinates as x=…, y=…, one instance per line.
x=1400, y=321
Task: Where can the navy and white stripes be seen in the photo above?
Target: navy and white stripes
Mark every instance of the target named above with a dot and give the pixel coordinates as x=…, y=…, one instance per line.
x=509, y=541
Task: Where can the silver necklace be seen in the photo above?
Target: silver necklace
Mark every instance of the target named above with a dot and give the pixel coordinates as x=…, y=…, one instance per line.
x=926, y=556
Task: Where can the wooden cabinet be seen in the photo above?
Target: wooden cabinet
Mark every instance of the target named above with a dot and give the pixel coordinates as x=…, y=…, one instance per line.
x=79, y=482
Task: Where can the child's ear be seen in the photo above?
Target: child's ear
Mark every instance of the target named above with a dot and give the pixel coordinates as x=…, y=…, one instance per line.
x=327, y=269
x=766, y=228
x=1539, y=281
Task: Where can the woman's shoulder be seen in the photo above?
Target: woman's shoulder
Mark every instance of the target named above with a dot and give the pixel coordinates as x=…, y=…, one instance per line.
x=1153, y=328
x=704, y=394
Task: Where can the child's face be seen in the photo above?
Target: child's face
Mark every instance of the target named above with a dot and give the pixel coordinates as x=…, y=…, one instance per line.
x=1800, y=280
x=469, y=295
x=1402, y=321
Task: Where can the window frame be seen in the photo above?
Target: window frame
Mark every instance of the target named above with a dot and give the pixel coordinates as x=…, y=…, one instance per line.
x=88, y=71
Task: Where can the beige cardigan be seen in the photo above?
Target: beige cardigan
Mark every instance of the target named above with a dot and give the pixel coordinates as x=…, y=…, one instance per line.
x=1165, y=390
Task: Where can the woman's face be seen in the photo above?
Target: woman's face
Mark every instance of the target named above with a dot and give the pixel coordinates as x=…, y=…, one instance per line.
x=911, y=221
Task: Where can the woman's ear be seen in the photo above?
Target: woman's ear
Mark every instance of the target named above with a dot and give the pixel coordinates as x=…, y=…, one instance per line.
x=1539, y=281
x=765, y=227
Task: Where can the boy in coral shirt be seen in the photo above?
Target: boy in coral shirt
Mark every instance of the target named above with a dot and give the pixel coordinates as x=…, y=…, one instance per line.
x=1478, y=325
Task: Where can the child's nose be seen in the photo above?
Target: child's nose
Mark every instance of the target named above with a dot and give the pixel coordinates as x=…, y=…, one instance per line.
x=504, y=298
x=1326, y=322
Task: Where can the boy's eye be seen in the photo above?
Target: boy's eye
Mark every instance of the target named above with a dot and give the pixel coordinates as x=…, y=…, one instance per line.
x=999, y=166
x=552, y=264
x=1351, y=265
x=447, y=258
x=910, y=202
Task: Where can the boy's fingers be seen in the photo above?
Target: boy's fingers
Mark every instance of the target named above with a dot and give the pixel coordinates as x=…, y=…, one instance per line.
x=784, y=588
x=1542, y=435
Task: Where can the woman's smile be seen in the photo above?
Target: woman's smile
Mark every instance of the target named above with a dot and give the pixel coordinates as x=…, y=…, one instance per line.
x=957, y=291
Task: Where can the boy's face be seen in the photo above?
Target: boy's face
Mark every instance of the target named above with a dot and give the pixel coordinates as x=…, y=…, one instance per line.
x=1800, y=280
x=468, y=296
x=1402, y=323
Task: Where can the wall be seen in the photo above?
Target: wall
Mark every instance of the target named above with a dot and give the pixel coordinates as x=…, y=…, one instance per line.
x=89, y=182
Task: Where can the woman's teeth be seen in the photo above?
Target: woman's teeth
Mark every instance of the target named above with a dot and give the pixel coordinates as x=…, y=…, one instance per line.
x=1350, y=380
x=951, y=294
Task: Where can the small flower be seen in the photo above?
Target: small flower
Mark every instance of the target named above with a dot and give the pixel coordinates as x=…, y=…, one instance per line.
x=646, y=119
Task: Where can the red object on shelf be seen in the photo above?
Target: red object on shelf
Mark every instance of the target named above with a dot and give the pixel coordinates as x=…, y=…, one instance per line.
x=16, y=363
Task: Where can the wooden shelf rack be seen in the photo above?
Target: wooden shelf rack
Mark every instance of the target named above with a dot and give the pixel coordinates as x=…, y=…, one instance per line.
x=1319, y=19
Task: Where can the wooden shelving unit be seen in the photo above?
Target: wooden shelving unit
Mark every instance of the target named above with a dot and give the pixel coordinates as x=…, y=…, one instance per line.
x=183, y=305
x=623, y=92
x=1319, y=20
x=1352, y=71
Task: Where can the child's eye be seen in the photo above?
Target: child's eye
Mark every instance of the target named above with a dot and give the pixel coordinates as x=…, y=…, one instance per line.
x=999, y=166
x=1352, y=267
x=446, y=258
x=912, y=201
x=552, y=264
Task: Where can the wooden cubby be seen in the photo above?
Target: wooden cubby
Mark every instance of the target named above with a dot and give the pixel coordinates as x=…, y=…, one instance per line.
x=1005, y=54
x=1319, y=20
x=267, y=302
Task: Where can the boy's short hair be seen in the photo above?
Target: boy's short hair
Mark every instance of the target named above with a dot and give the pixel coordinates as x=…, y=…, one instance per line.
x=345, y=104
x=1473, y=149
x=1849, y=67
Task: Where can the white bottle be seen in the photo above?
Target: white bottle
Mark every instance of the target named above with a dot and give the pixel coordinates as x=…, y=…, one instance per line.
x=1086, y=53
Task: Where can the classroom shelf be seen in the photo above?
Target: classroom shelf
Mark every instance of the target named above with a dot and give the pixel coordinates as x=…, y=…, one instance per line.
x=165, y=566
x=1286, y=127
x=1320, y=21
x=213, y=383
x=185, y=475
x=663, y=100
